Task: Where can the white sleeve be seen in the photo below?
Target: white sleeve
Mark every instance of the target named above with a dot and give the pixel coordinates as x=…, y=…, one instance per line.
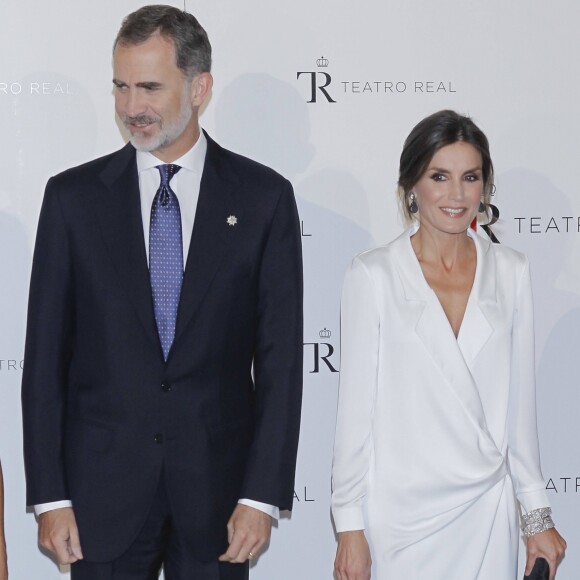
x=358, y=382
x=523, y=446
x=53, y=505
x=271, y=510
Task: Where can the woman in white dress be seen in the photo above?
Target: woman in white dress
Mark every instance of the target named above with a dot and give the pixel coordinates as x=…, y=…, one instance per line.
x=436, y=449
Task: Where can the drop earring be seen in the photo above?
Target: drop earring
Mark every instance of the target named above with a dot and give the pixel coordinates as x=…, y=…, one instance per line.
x=481, y=207
x=413, y=207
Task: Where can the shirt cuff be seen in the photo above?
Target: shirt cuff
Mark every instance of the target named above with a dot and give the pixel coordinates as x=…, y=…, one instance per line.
x=271, y=510
x=53, y=505
x=348, y=519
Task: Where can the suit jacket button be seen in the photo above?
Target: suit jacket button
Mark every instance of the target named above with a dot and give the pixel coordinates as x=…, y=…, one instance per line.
x=158, y=438
x=165, y=387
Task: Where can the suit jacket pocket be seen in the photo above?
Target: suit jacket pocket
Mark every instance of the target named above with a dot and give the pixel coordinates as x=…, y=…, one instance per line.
x=95, y=437
x=234, y=432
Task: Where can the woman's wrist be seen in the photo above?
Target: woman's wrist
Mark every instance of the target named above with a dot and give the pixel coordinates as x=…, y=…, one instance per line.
x=351, y=533
x=537, y=521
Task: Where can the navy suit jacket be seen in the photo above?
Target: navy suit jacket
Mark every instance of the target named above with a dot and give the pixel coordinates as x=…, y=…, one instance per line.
x=103, y=412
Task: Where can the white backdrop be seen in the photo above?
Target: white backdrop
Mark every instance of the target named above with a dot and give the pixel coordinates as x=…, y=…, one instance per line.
x=511, y=65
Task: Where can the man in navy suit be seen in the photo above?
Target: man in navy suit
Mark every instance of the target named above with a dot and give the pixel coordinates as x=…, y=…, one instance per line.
x=163, y=376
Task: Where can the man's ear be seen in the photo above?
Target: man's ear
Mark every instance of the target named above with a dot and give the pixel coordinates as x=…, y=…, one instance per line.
x=200, y=88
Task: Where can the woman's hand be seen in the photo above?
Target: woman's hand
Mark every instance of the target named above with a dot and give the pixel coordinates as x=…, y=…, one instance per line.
x=549, y=545
x=353, y=557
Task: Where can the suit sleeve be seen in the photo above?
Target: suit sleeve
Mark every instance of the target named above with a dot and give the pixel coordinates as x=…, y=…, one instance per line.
x=523, y=448
x=47, y=354
x=359, y=332
x=278, y=357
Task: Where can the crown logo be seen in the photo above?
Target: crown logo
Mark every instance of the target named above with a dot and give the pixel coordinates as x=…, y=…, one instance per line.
x=325, y=333
x=322, y=62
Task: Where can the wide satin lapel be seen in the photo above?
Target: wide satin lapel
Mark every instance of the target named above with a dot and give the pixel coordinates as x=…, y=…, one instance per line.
x=212, y=236
x=414, y=284
x=436, y=334
x=119, y=214
x=481, y=313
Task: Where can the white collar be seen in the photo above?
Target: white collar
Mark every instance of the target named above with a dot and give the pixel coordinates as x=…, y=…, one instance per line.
x=193, y=160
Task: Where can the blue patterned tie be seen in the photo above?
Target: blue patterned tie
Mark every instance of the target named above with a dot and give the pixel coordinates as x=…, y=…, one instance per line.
x=165, y=257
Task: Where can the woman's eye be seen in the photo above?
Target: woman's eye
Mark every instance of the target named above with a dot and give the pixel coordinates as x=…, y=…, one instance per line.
x=438, y=177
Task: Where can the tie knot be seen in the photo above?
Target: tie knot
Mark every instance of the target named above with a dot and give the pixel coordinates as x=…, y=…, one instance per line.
x=167, y=172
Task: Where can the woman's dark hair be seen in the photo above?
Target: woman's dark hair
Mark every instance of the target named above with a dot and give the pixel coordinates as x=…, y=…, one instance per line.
x=427, y=137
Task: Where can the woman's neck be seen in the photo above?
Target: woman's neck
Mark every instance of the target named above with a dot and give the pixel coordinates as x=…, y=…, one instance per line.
x=434, y=247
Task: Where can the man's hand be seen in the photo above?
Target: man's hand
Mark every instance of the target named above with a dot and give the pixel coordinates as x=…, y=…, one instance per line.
x=58, y=533
x=248, y=530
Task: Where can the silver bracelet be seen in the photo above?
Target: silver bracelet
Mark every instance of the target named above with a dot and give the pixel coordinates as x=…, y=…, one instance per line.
x=537, y=521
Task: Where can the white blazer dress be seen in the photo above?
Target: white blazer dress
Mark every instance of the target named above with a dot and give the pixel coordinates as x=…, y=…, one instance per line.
x=436, y=443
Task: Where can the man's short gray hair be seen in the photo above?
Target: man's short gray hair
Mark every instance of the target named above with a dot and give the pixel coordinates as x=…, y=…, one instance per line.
x=192, y=46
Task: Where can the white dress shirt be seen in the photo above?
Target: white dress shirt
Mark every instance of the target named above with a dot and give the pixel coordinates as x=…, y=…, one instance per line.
x=185, y=184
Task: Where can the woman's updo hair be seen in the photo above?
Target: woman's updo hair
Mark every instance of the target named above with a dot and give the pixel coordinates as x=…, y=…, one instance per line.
x=427, y=137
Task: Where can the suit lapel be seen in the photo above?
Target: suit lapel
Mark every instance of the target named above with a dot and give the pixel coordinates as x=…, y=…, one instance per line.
x=212, y=236
x=435, y=333
x=481, y=313
x=119, y=214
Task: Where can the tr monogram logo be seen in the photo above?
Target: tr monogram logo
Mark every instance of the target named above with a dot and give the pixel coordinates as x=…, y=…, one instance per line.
x=318, y=348
x=319, y=81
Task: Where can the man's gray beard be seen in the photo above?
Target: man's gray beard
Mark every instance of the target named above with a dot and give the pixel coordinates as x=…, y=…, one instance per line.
x=167, y=135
